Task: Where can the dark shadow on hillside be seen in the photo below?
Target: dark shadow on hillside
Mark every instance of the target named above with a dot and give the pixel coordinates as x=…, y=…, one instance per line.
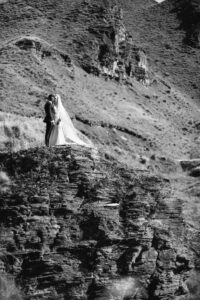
x=188, y=12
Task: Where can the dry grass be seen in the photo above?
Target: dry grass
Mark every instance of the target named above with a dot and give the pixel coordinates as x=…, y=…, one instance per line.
x=19, y=132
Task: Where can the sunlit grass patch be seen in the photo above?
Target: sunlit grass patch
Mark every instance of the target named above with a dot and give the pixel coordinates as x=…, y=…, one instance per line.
x=19, y=132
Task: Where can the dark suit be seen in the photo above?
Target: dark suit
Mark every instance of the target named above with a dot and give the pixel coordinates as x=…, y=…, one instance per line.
x=48, y=120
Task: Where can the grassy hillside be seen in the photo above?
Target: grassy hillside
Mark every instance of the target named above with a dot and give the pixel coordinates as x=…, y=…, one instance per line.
x=126, y=121
x=163, y=30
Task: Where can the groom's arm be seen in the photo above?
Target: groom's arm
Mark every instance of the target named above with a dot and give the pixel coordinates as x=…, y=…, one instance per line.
x=46, y=112
x=47, y=109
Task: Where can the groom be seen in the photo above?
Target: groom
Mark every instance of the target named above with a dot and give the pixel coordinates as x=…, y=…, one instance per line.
x=48, y=118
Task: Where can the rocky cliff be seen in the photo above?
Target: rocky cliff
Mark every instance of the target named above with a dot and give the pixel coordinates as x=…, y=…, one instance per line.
x=75, y=225
x=121, y=223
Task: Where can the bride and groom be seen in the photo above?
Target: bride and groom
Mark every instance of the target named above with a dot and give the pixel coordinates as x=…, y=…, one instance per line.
x=59, y=127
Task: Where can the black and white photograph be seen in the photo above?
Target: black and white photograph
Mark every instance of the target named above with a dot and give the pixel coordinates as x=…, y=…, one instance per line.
x=99, y=149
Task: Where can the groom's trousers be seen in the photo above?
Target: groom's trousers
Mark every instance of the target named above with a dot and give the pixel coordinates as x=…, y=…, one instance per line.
x=48, y=132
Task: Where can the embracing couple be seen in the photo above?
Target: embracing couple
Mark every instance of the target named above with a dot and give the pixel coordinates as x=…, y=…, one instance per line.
x=59, y=127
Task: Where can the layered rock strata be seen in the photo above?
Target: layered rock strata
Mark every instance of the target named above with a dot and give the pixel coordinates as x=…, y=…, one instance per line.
x=76, y=226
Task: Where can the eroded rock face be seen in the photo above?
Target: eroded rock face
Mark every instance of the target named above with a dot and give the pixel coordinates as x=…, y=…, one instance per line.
x=76, y=226
x=113, y=53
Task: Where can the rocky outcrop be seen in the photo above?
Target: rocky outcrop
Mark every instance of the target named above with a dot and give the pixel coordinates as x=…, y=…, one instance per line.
x=114, y=55
x=77, y=226
x=42, y=49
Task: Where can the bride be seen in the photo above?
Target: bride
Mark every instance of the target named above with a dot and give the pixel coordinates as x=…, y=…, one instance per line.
x=64, y=132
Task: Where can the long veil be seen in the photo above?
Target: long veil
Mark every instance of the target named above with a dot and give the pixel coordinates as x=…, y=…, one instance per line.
x=69, y=131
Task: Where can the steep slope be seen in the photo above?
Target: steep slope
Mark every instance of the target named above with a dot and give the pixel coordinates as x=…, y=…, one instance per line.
x=138, y=230
x=160, y=30
x=127, y=119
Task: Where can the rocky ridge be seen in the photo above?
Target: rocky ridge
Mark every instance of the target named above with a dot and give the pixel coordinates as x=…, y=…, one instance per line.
x=77, y=226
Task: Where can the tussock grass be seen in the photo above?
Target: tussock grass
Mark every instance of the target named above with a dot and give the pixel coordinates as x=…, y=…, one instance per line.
x=18, y=133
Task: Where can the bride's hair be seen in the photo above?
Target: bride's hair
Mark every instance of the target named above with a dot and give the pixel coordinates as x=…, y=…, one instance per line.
x=56, y=99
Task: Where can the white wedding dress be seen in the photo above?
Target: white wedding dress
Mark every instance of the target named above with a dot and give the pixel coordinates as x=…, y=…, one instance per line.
x=64, y=132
